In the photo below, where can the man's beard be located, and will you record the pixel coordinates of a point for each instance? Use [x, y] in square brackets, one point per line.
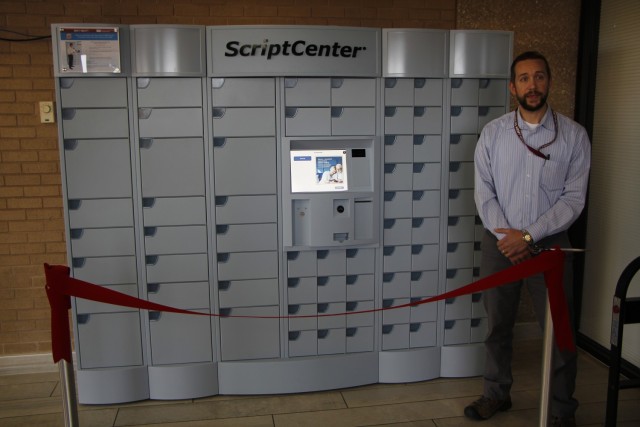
[522, 100]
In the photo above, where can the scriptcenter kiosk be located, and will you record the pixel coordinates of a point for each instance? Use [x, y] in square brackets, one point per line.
[295, 182]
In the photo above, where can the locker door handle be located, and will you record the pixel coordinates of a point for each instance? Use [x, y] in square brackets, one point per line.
[483, 111]
[323, 254]
[148, 202]
[151, 259]
[352, 279]
[453, 221]
[74, 204]
[484, 83]
[290, 112]
[456, 111]
[451, 273]
[218, 113]
[416, 249]
[293, 282]
[389, 196]
[322, 281]
[153, 288]
[225, 312]
[419, 83]
[388, 277]
[154, 316]
[144, 113]
[143, 82]
[223, 257]
[414, 327]
[290, 82]
[352, 305]
[222, 229]
[388, 250]
[386, 329]
[221, 200]
[418, 139]
[224, 285]
[293, 309]
[292, 256]
[418, 167]
[390, 83]
[449, 324]
[454, 166]
[217, 83]
[387, 303]
[76, 233]
[390, 111]
[417, 222]
[351, 332]
[78, 262]
[455, 139]
[389, 140]
[351, 253]
[419, 111]
[475, 322]
[336, 83]
[416, 275]
[150, 231]
[389, 223]
[322, 308]
[70, 144]
[476, 297]
[389, 168]
[219, 142]
[294, 335]
[83, 319]
[146, 143]
[336, 112]
[68, 113]
[323, 333]
[67, 82]
[456, 83]
[417, 195]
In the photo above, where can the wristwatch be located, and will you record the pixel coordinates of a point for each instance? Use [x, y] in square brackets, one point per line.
[527, 237]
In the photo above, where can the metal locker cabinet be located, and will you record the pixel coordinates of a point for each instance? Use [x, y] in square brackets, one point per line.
[169, 92]
[175, 240]
[360, 261]
[425, 203]
[360, 287]
[349, 92]
[105, 92]
[246, 209]
[425, 231]
[426, 176]
[160, 211]
[427, 148]
[95, 123]
[480, 53]
[398, 149]
[95, 213]
[307, 92]
[169, 342]
[398, 92]
[172, 167]
[243, 92]
[245, 166]
[396, 285]
[397, 232]
[245, 338]
[428, 92]
[248, 293]
[97, 168]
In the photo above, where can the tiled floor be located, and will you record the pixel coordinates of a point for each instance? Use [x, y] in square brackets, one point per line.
[30, 396]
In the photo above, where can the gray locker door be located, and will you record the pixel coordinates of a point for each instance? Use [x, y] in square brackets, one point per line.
[332, 341]
[187, 295]
[174, 211]
[233, 266]
[109, 340]
[359, 339]
[395, 337]
[307, 92]
[247, 237]
[426, 148]
[426, 204]
[170, 122]
[428, 92]
[169, 342]
[246, 209]
[398, 149]
[94, 213]
[244, 122]
[175, 240]
[248, 293]
[423, 334]
[95, 123]
[398, 92]
[250, 338]
[243, 92]
[98, 168]
[177, 268]
[106, 270]
[105, 92]
[172, 167]
[169, 92]
[303, 343]
[245, 166]
[96, 242]
[353, 92]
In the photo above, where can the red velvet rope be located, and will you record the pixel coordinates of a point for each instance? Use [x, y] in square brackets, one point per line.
[61, 287]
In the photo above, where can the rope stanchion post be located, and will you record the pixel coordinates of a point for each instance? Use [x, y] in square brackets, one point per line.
[547, 363]
[68, 391]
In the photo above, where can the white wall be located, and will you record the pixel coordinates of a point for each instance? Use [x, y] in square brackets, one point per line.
[613, 228]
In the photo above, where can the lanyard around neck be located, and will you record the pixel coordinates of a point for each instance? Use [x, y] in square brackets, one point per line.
[538, 151]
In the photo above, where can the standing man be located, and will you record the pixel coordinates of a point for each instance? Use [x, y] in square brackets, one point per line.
[531, 175]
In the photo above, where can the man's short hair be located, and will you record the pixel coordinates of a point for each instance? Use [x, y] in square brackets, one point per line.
[530, 54]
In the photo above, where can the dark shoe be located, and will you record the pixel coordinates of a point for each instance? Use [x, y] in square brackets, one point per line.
[484, 408]
[563, 422]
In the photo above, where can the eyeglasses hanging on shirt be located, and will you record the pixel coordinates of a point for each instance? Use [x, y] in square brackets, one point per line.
[538, 151]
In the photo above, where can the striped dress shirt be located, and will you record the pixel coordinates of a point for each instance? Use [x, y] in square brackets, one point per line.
[514, 188]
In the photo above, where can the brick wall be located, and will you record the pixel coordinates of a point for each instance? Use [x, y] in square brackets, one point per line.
[31, 218]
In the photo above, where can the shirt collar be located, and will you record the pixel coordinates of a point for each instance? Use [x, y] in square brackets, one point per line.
[546, 122]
